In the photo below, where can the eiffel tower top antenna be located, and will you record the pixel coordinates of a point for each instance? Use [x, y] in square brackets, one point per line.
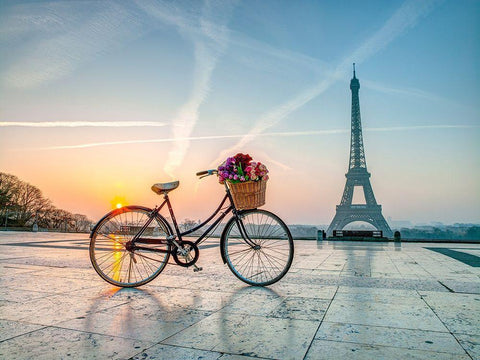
[357, 151]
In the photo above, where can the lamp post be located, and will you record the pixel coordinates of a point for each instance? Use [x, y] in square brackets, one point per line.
[35, 225]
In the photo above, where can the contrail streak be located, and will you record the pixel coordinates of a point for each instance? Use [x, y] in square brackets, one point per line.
[50, 124]
[265, 134]
[209, 45]
[405, 17]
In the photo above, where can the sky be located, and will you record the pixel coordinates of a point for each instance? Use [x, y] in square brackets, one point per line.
[101, 99]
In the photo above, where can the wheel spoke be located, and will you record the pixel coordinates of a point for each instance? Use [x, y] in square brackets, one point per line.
[108, 247]
[265, 263]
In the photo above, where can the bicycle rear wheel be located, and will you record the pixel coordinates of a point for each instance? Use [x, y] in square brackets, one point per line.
[113, 256]
[265, 256]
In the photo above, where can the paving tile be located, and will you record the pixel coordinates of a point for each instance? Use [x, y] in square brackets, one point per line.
[461, 286]
[385, 275]
[388, 336]
[226, 281]
[205, 300]
[20, 296]
[316, 291]
[301, 308]
[409, 315]
[54, 309]
[332, 350]
[162, 352]
[249, 335]
[459, 312]
[378, 295]
[54, 343]
[6, 268]
[43, 283]
[148, 323]
[326, 272]
[471, 344]
[69, 273]
[255, 304]
[11, 329]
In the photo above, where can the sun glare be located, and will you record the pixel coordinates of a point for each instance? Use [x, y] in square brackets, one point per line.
[118, 201]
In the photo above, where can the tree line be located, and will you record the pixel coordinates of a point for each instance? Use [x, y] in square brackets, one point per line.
[23, 205]
[447, 232]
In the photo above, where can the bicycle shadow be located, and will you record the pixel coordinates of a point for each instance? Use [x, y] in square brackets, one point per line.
[254, 324]
[249, 322]
[131, 313]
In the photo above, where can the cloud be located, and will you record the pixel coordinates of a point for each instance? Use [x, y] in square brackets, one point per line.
[401, 91]
[50, 124]
[263, 134]
[404, 18]
[48, 41]
[418, 93]
[420, 127]
[209, 35]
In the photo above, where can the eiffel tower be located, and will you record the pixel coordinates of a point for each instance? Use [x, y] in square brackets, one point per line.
[358, 175]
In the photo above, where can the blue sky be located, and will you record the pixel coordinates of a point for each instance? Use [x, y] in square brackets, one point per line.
[99, 99]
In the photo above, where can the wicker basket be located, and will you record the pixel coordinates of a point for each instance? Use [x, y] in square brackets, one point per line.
[248, 195]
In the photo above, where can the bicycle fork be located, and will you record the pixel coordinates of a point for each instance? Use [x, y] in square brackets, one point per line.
[244, 233]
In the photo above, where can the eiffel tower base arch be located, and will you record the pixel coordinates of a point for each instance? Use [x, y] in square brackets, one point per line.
[369, 214]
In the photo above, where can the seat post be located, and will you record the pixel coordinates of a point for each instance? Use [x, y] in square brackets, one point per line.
[172, 215]
[165, 195]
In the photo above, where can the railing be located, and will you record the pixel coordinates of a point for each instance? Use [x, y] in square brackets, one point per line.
[358, 233]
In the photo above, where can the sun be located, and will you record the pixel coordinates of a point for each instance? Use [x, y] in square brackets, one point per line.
[118, 202]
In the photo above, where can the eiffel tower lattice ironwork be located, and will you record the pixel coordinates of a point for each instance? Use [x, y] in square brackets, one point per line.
[358, 175]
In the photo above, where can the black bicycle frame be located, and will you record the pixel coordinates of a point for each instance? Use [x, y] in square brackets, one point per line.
[166, 201]
[210, 228]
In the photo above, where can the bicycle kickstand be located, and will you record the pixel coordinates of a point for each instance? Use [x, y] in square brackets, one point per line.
[196, 268]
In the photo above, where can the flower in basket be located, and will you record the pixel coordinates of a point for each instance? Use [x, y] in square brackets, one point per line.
[241, 168]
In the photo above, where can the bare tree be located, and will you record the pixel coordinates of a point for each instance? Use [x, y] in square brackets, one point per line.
[188, 224]
[81, 223]
[9, 185]
[22, 204]
[29, 200]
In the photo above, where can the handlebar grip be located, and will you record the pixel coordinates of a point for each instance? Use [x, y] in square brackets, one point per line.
[206, 173]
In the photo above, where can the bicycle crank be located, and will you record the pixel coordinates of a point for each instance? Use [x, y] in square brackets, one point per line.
[187, 255]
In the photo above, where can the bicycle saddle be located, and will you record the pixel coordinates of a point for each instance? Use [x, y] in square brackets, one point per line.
[160, 188]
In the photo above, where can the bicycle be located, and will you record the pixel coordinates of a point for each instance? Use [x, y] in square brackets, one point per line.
[131, 246]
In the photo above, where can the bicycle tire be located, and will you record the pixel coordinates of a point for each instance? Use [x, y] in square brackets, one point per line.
[108, 247]
[271, 256]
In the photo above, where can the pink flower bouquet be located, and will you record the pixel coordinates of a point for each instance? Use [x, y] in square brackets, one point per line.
[246, 180]
[241, 168]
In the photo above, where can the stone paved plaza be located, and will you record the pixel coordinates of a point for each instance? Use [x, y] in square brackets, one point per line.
[340, 300]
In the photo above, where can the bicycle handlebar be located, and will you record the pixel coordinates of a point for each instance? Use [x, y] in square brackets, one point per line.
[204, 173]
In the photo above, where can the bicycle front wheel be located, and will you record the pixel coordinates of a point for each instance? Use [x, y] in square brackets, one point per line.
[117, 260]
[258, 248]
